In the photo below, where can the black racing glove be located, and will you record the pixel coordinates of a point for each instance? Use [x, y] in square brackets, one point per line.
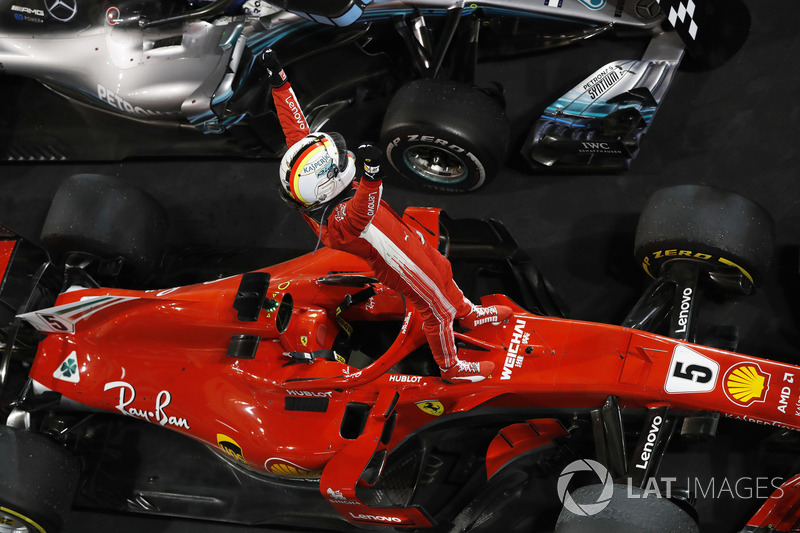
[368, 161]
[275, 73]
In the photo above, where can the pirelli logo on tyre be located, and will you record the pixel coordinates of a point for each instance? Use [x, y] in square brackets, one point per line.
[660, 256]
[746, 384]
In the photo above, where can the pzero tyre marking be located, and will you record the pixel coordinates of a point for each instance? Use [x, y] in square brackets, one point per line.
[721, 230]
[688, 254]
[445, 135]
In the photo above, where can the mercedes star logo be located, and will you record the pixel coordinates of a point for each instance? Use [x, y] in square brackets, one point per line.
[62, 10]
[648, 9]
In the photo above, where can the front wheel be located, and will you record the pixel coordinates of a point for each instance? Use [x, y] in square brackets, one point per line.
[718, 229]
[445, 135]
[620, 507]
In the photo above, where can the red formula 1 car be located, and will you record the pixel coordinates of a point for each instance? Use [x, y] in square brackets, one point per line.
[309, 397]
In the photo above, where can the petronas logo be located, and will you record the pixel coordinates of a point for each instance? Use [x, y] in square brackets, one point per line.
[68, 370]
[746, 383]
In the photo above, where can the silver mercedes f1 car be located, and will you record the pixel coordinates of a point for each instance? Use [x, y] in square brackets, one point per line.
[182, 78]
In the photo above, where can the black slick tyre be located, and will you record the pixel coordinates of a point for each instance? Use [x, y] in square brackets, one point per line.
[106, 217]
[445, 135]
[722, 230]
[38, 479]
[593, 510]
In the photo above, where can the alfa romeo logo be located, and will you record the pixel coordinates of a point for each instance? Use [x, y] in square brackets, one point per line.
[585, 509]
[62, 10]
[69, 367]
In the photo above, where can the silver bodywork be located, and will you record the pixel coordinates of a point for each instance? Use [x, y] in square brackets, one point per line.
[178, 72]
[594, 11]
[122, 69]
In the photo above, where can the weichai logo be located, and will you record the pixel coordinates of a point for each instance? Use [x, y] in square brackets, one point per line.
[746, 383]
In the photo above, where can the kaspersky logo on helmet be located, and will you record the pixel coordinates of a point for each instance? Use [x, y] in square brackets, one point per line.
[322, 162]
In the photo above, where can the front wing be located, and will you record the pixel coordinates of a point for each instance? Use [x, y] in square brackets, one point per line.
[600, 123]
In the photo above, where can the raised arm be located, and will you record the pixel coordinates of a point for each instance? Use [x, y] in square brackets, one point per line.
[362, 208]
[293, 121]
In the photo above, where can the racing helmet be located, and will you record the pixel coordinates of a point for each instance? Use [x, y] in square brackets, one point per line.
[315, 170]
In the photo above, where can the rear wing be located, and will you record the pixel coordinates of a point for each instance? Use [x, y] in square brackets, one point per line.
[26, 276]
[7, 248]
[27, 280]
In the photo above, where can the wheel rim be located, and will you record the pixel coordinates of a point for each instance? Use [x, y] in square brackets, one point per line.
[14, 524]
[435, 164]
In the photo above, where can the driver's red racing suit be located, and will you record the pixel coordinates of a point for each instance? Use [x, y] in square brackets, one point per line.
[293, 121]
[366, 226]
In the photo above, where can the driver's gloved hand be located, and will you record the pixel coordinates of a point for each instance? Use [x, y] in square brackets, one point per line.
[368, 162]
[275, 73]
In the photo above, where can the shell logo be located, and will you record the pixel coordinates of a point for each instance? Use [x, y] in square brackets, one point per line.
[284, 468]
[746, 383]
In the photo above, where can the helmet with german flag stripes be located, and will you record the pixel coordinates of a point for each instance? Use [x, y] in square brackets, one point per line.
[315, 170]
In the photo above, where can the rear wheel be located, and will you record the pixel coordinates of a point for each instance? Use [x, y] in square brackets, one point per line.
[445, 135]
[38, 479]
[721, 230]
[108, 218]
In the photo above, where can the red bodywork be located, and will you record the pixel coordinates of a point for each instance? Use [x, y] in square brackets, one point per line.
[781, 511]
[161, 356]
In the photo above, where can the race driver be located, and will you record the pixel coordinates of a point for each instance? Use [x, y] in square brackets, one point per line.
[317, 176]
